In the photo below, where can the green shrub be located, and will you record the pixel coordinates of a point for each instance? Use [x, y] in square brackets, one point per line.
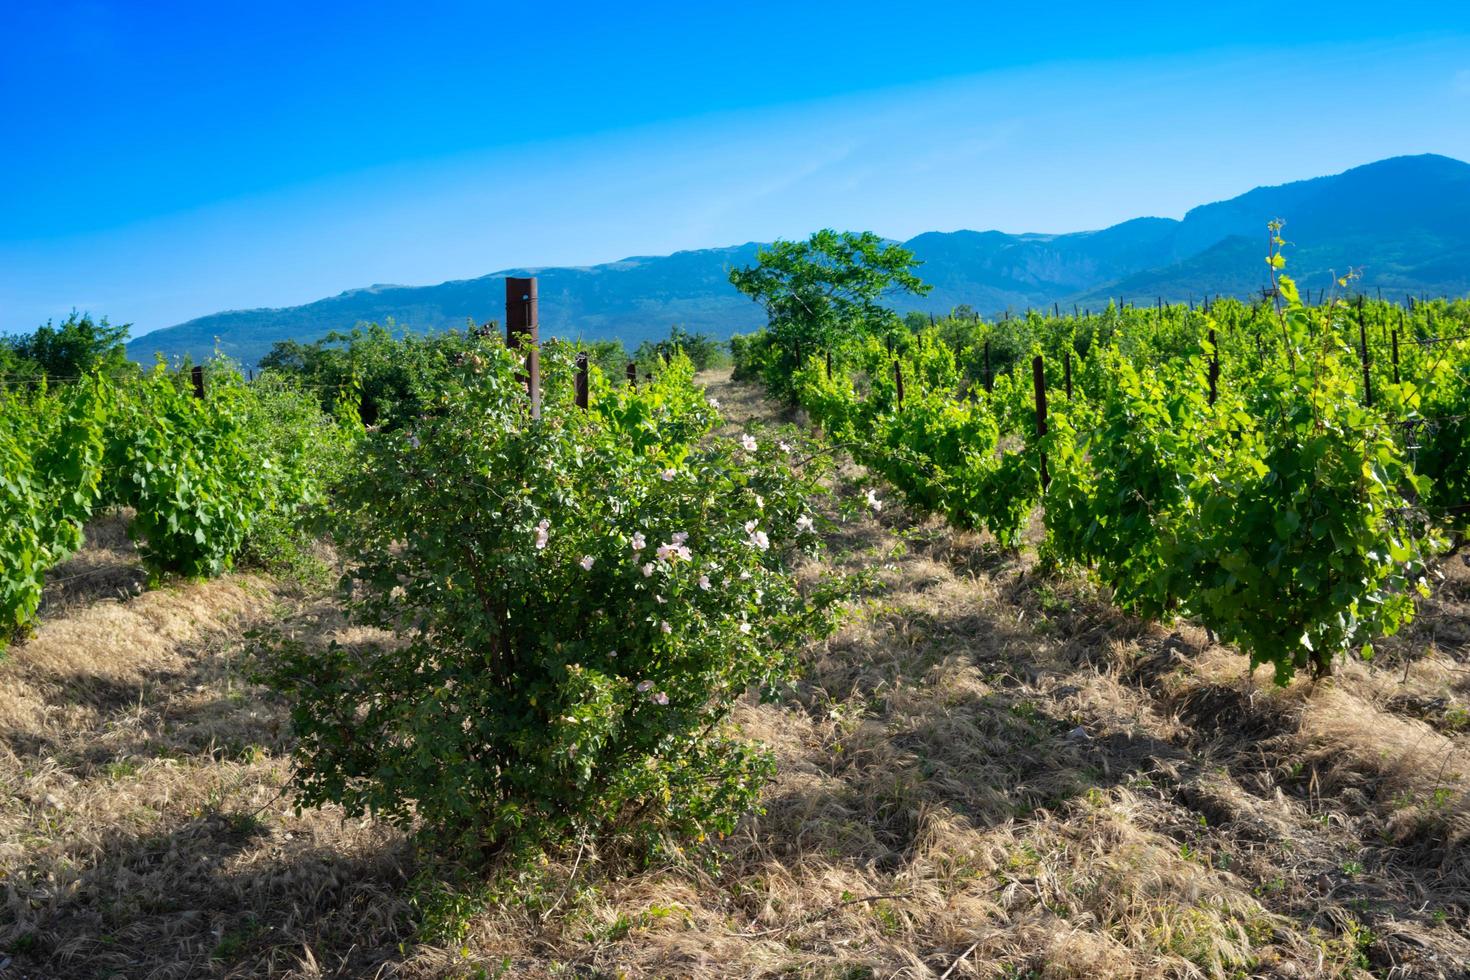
[50, 469]
[581, 602]
[183, 464]
[308, 452]
[205, 474]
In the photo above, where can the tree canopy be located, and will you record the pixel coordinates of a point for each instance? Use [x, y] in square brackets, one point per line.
[80, 345]
[829, 288]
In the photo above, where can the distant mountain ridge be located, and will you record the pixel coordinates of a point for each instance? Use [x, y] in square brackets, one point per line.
[1404, 222]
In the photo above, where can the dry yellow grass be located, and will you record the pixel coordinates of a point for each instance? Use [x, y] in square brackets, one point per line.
[987, 773]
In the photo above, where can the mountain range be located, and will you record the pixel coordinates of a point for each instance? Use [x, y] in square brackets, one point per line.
[1403, 222]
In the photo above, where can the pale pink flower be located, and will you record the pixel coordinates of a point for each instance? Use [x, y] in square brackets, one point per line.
[760, 540]
[704, 582]
[669, 475]
[744, 575]
[664, 625]
[586, 563]
[648, 570]
[645, 686]
[714, 403]
[660, 698]
[639, 541]
[804, 523]
[785, 446]
[679, 537]
[748, 442]
[744, 627]
[760, 502]
[750, 526]
[874, 502]
[542, 533]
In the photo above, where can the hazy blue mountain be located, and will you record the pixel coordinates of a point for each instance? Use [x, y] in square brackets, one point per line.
[1405, 222]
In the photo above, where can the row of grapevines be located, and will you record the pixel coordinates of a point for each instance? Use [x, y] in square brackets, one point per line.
[1280, 514]
[942, 453]
[50, 468]
[200, 474]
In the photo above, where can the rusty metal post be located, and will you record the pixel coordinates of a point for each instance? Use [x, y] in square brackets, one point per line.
[1067, 373]
[989, 381]
[1038, 380]
[632, 373]
[521, 321]
[580, 382]
[198, 377]
[829, 365]
[522, 328]
[898, 381]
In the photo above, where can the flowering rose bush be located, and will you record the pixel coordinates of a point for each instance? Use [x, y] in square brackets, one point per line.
[580, 606]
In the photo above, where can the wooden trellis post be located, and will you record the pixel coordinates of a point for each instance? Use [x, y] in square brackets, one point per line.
[1038, 379]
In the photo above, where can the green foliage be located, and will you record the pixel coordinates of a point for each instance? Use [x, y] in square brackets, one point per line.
[203, 474]
[184, 465]
[581, 600]
[1442, 439]
[1121, 481]
[608, 356]
[825, 291]
[50, 470]
[703, 350]
[78, 347]
[941, 452]
[388, 369]
[1303, 552]
[1284, 503]
[302, 452]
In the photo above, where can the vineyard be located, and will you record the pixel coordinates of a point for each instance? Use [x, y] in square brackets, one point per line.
[918, 648]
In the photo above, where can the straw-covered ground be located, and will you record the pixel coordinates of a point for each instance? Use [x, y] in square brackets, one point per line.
[988, 772]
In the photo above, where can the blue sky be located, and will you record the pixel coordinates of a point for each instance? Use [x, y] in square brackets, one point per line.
[160, 160]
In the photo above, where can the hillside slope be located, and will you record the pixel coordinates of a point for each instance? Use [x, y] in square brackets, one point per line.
[1405, 222]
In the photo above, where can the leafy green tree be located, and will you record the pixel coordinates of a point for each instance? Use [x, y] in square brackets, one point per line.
[825, 291]
[78, 347]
